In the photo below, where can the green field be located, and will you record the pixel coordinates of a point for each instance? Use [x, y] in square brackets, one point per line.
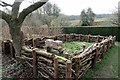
[98, 22]
[100, 19]
[108, 67]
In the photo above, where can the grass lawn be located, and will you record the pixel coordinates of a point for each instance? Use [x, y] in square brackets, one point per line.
[108, 67]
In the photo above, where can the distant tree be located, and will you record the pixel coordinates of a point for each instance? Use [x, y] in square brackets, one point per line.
[114, 19]
[54, 23]
[46, 15]
[91, 16]
[87, 18]
[63, 20]
[84, 18]
[33, 20]
[49, 12]
[47, 8]
[55, 10]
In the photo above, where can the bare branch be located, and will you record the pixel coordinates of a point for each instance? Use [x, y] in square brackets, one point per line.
[1, 5]
[30, 9]
[4, 4]
[15, 8]
[5, 16]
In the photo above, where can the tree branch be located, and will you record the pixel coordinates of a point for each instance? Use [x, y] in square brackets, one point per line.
[5, 16]
[30, 9]
[1, 5]
[4, 4]
[15, 8]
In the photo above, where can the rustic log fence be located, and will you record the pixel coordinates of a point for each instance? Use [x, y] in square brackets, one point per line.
[52, 66]
[40, 42]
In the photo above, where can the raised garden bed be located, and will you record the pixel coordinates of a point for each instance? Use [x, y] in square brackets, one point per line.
[51, 65]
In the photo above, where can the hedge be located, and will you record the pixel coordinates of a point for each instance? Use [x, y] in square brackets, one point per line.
[104, 31]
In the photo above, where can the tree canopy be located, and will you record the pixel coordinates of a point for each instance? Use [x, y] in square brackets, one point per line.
[87, 17]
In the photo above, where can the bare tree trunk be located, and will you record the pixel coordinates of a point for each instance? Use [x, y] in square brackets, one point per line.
[17, 36]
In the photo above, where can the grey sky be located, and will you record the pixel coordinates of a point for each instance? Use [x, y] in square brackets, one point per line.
[98, 6]
[74, 7]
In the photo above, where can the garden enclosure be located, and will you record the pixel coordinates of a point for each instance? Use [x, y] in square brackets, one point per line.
[51, 66]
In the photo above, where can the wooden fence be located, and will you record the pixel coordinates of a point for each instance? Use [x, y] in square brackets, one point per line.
[52, 66]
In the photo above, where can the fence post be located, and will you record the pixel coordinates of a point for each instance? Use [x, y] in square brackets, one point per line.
[35, 72]
[68, 70]
[113, 38]
[103, 50]
[96, 57]
[77, 60]
[55, 68]
[108, 43]
[105, 47]
[98, 38]
[66, 55]
[11, 50]
[83, 46]
[33, 43]
[88, 36]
